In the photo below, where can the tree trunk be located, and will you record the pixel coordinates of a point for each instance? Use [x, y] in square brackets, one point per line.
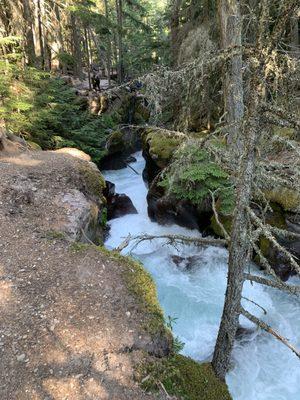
[40, 29]
[76, 47]
[231, 35]
[108, 52]
[295, 37]
[174, 27]
[238, 256]
[87, 52]
[119, 8]
[28, 27]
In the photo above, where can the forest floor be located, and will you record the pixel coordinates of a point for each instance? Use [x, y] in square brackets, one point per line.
[67, 318]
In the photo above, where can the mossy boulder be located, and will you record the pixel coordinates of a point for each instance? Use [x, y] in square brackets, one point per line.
[287, 198]
[161, 144]
[115, 142]
[226, 221]
[33, 145]
[184, 378]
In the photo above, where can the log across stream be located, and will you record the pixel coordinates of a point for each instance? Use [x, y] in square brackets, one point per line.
[191, 283]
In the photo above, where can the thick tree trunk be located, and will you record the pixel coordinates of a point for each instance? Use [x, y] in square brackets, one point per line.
[231, 35]
[40, 29]
[295, 37]
[108, 51]
[28, 27]
[76, 47]
[174, 28]
[119, 8]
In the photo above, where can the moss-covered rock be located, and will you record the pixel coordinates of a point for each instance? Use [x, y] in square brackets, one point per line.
[226, 221]
[184, 378]
[161, 145]
[93, 181]
[287, 198]
[115, 142]
[33, 145]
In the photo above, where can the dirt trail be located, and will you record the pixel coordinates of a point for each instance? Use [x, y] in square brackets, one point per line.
[67, 318]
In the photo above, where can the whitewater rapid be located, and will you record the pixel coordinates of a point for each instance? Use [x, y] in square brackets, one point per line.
[264, 369]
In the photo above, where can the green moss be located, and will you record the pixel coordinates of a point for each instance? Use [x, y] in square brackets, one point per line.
[141, 285]
[226, 221]
[289, 199]
[93, 180]
[115, 142]
[184, 378]
[162, 145]
[79, 247]
[276, 219]
[285, 132]
[33, 145]
[53, 235]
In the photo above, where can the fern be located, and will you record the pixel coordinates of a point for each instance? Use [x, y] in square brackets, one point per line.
[193, 175]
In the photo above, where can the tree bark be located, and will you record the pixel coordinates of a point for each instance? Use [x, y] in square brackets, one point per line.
[108, 52]
[174, 28]
[238, 256]
[28, 27]
[119, 8]
[231, 35]
[76, 47]
[40, 29]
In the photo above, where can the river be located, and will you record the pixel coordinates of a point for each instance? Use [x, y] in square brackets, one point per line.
[264, 369]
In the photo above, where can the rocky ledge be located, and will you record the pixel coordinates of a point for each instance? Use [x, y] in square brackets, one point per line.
[77, 321]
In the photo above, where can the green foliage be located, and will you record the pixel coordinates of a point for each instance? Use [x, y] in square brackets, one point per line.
[47, 111]
[194, 175]
[178, 345]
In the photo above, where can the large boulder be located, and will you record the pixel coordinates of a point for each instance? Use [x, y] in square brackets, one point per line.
[57, 192]
[161, 144]
[118, 205]
[120, 145]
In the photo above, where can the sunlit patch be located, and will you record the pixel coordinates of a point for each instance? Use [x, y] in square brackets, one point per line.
[5, 293]
[22, 160]
[56, 356]
[94, 390]
[64, 388]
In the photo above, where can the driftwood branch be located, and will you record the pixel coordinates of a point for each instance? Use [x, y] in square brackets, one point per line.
[268, 329]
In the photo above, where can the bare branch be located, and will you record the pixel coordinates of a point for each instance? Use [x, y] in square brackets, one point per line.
[268, 234]
[226, 235]
[276, 284]
[268, 329]
[256, 304]
[172, 240]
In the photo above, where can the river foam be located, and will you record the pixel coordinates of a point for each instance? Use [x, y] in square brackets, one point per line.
[264, 369]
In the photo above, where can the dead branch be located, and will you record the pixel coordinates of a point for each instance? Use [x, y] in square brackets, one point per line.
[256, 304]
[268, 329]
[282, 114]
[226, 235]
[123, 244]
[268, 234]
[172, 240]
[278, 284]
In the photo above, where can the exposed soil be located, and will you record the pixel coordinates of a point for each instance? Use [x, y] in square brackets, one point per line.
[68, 323]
